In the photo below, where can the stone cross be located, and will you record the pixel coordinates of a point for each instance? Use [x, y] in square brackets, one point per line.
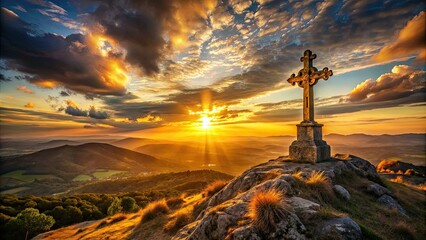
[307, 77]
[309, 146]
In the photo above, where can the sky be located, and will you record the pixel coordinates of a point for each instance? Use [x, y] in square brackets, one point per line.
[175, 69]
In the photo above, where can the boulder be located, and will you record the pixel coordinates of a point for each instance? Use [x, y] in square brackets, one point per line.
[303, 207]
[342, 228]
[377, 189]
[391, 203]
[342, 192]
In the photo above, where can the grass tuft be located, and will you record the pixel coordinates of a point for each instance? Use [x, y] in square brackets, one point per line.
[214, 187]
[179, 219]
[317, 178]
[298, 176]
[266, 210]
[154, 209]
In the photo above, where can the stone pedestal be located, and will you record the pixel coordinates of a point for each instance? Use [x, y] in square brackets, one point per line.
[309, 146]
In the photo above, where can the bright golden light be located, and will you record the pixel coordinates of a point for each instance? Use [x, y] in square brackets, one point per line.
[206, 122]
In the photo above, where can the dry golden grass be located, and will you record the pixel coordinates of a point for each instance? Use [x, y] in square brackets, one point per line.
[271, 175]
[154, 209]
[214, 187]
[175, 202]
[266, 210]
[179, 219]
[118, 217]
[384, 165]
[400, 179]
[317, 178]
[298, 175]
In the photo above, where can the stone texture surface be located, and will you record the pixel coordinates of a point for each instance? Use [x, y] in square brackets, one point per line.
[224, 214]
[377, 189]
[342, 228]
[309, 146]
[391, 203]
[342, 192]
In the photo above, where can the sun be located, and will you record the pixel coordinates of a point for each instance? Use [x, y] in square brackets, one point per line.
[206, 122]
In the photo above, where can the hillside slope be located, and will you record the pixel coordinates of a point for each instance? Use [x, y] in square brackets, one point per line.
[68, 162]
[181, 181]
[340, 199]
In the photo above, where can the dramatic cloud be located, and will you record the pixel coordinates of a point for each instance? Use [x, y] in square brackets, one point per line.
[411, 40]
[402, 82]
[73, 62]
[24, 89]
[140, 26]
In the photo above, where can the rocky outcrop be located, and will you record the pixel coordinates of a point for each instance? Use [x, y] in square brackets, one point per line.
[225, 214]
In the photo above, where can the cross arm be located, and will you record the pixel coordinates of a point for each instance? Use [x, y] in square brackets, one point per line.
[297, 79]
[325, 73]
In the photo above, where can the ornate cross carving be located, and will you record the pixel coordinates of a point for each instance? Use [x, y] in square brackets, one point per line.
[307, 77]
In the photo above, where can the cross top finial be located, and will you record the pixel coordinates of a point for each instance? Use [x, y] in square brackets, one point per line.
[307, 59]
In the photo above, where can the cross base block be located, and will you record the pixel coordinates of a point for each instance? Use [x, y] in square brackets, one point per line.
[309, 146]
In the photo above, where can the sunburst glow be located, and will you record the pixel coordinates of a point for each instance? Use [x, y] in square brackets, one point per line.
[206, 122]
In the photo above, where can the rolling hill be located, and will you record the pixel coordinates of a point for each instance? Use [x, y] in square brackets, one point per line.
[68, 162]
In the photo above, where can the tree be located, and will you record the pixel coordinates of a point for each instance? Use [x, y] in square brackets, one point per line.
[115, 207]
[129, 204]
[30, 222]
[72, 215]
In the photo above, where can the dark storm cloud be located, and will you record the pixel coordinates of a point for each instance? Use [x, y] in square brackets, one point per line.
[93, 113]
[3, 78]
[124, 107]
[75, 111]
[140, 26]
[138, 31]
[53, 60]
[22, 114]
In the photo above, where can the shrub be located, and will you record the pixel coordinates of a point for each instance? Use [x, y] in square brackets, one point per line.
[175, 202]
[30, 222]
[30, 204]
[214, 187]
[115, 207]
[154, 209]
[129, 204]
[266, 210]
[179, 219]
[317, 178]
